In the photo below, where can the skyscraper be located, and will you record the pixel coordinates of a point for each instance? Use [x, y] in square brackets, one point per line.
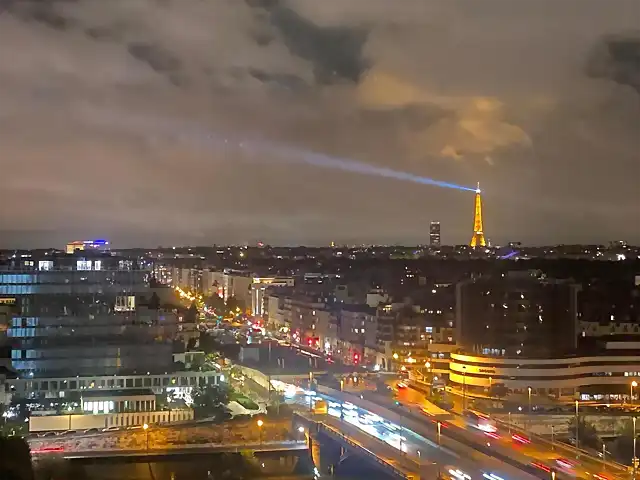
[434, 234]
[477, 240]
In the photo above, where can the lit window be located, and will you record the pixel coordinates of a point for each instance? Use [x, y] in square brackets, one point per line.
[83, 265]
[125, 303]
[45, 265]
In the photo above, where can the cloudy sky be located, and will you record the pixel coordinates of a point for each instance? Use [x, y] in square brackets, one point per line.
[158, 122]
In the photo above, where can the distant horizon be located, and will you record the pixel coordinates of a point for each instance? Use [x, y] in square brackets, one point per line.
[317, 246]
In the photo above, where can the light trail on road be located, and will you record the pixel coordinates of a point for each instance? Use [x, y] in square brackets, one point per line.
[466, 465]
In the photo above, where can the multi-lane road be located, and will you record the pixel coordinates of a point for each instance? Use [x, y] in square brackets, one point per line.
[447, 456]
[498, 453]
[547, 456]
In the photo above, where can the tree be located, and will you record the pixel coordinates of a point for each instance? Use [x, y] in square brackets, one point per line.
[216, 303]
[191, 344]
[211, 400]
[623, 446]
[234, 303]
[498, 390]
[154, 301]
[588, 436]
[192, 314]
[15, 459]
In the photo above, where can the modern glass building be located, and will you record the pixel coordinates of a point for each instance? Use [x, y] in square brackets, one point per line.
[84, 314]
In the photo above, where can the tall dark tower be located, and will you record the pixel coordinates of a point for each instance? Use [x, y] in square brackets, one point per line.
[478, 234]
[434, 234]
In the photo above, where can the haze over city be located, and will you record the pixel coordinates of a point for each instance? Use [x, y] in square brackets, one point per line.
[190, 122]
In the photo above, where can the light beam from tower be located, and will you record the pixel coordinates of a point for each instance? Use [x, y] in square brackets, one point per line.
[477, 240]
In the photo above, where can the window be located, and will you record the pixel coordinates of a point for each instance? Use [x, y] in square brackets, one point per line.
[125, 264]
[45, 265]
[83, 264]
[125, 303]
[97, 265]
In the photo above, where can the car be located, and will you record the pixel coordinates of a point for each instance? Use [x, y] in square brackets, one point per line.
[48, 434]
[111, 429]
[91, 430]
[69, 432]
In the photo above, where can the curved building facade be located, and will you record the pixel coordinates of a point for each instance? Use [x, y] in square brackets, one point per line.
[555, 376]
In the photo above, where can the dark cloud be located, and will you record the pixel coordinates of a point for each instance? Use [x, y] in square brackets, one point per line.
[166, 121]
[336, 53]
[617, 58]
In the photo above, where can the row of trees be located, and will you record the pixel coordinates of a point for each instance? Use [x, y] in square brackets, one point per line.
[232, 304]
[621, 449]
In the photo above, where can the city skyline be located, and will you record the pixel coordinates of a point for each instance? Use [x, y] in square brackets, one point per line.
[181, 123]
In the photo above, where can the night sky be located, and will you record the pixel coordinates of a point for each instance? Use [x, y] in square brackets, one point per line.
[160, 122]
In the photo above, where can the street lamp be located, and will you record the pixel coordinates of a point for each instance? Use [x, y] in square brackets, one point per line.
[553, 438]
[260, 423]
[635, 459]
[529, 416]
[439, 448]
[145, 427]
[634, 384]
[577, 425]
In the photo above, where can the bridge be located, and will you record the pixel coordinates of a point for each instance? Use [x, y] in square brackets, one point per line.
[167, 453]
[352, 439]
[151, 454]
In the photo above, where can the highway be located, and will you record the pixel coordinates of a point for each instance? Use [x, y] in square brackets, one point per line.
[517, 445]
[451, 458]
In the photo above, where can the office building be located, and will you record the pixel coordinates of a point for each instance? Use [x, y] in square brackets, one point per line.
[84, 315]
[517, 313]
[606, 374]
[434, 234]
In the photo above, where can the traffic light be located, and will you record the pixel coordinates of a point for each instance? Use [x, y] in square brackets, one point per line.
[356, 357]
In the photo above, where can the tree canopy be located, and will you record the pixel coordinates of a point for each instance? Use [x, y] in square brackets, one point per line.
[588, 436]
[211, 400]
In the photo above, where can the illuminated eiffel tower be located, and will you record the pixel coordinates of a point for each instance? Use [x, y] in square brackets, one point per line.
[478, 234]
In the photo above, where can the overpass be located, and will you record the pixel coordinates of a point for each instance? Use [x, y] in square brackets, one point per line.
[537, 458]
[390, 459]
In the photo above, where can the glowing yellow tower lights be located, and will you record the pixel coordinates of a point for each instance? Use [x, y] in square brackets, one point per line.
[477, 240]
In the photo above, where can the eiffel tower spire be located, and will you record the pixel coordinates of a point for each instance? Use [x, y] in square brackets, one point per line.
[477, 240]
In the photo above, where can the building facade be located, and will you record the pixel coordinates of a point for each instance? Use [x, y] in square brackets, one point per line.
[434, 234]
[80, 315]
[259, 288]
[517, 313]
[610, 372]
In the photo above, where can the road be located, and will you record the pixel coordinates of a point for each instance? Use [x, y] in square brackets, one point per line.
[517, 445]
[448, 456]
